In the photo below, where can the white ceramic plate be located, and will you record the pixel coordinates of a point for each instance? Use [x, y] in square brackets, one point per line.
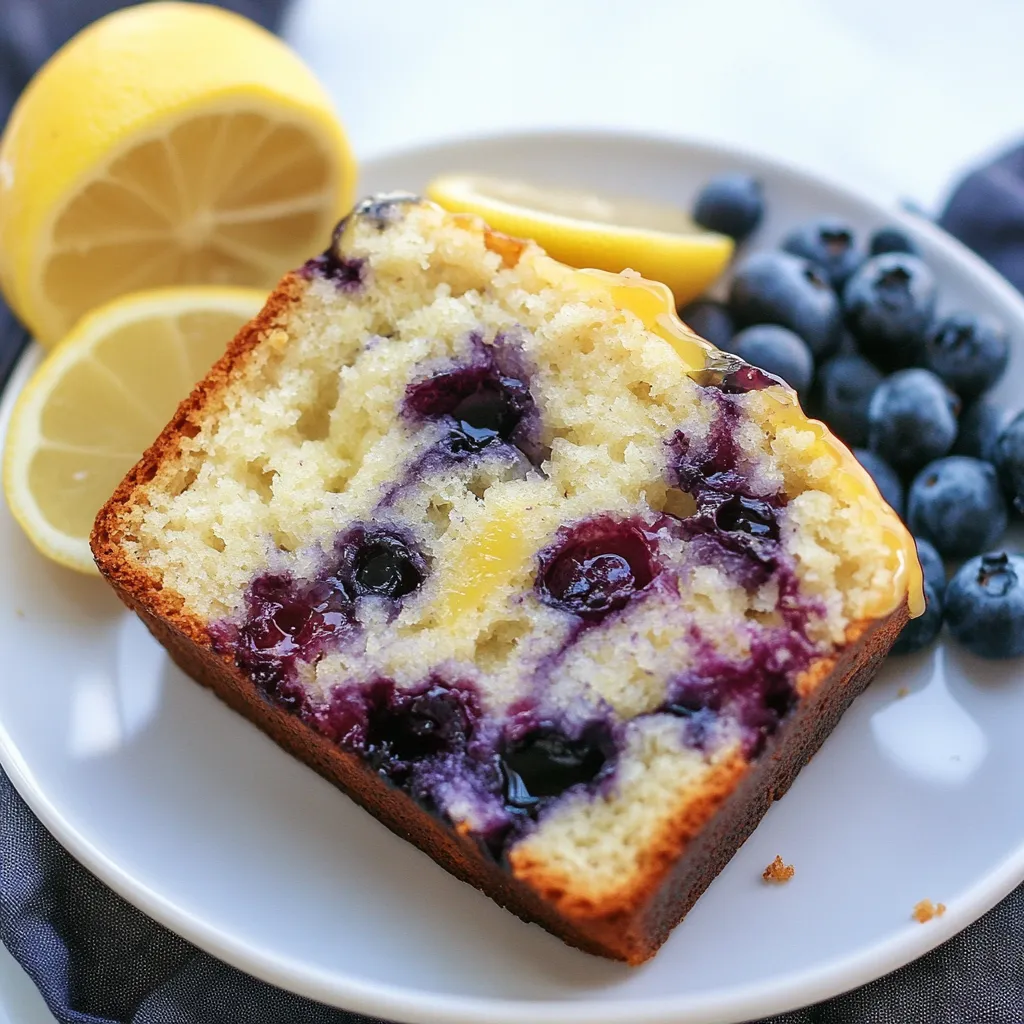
[201, 821]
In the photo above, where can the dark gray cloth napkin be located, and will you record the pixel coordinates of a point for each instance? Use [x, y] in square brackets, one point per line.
[98, 960]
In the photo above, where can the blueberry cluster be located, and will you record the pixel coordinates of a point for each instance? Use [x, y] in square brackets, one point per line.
[854, 330]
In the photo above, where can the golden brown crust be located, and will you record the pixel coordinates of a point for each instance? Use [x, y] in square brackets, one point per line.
[697, 841]
[108, 528]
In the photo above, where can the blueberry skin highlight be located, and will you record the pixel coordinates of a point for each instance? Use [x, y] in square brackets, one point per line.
[931, 564]
[912, 419]
[731, 204]
[780, 352]
[843, 392]
[889, 303]
[778, 288]
[985, 605]
[957, 504]
[891, 240]
[969, 352]
[711, 320]
[980, 425]
[830, 244]
[1009, 460]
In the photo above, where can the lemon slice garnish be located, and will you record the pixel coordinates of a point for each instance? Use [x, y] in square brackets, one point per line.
[585, 229]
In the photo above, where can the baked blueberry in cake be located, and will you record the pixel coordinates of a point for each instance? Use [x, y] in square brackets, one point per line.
[556, 590]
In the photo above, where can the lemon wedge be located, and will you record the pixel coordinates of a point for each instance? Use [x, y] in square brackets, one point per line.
[584, 229]
[168, 143]
[100, 398]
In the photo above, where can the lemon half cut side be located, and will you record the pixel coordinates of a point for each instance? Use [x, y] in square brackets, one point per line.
[168, 143]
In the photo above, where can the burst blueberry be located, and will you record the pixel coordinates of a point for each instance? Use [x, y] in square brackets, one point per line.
[546, 762]
[596, 567]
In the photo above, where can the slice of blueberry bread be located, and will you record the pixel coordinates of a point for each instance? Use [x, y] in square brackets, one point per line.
[552, 587]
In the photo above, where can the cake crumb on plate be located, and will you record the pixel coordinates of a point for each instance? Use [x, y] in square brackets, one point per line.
[778, 872]
[925, 910]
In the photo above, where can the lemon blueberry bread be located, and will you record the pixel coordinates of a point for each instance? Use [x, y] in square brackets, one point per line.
[556, 590]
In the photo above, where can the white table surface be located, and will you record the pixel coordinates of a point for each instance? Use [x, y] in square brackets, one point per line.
[891, 97]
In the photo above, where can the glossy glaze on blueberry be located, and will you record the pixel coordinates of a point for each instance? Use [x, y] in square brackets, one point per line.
[732, 376]
[287, 621]
[485, 401]
[596, 567]
[546, 762]
[430, 738]
[377, 561]
[740, 514]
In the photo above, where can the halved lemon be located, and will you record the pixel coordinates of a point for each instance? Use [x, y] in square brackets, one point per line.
[168, 143]
[100, 399]
[585, 229]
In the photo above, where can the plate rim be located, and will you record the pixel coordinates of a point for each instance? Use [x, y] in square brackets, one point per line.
[417, 1007]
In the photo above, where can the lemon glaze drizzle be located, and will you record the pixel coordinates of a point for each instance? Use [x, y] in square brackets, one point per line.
[653, 304]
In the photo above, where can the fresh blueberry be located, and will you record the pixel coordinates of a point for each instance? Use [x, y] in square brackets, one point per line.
[731, 204]
[981, 423]
[886, 478]
[889, 304]
[932, 566]
[711, 321]
[985, 605]
[970, 353]
[830, 244]
[779, 288]
[546, 762]
[844, 388]
[956, 503]
[890, 240]
[1009, 460]
[920, 632]
[912, 419]
[779, 351]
